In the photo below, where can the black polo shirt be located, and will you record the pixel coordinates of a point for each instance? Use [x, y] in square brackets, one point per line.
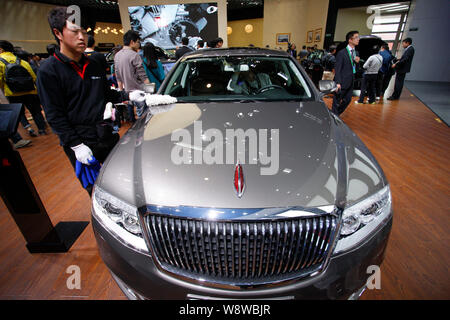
[74, 96]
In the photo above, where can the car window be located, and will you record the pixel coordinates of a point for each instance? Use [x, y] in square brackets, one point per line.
[237, 78]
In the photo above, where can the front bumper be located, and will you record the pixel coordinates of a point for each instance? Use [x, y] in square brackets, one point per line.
[139, 278]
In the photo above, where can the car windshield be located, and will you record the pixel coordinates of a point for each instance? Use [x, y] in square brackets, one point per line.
[237, 79]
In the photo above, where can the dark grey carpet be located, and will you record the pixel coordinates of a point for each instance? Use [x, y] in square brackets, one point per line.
[435, 95]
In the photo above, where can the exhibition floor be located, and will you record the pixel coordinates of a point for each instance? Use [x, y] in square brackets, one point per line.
[406, 138]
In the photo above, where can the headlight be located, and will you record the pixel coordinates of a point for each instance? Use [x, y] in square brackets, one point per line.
[361, 219]
[119, 218]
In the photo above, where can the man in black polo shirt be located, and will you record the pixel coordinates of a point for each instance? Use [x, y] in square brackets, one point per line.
[74, 91]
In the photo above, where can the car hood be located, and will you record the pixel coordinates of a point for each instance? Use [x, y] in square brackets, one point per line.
[318, 161]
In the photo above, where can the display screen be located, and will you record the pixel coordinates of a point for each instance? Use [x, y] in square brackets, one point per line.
[167, 67]
[165, 25]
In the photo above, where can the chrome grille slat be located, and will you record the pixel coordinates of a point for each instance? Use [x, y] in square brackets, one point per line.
[211, 249]
[291, 245]
[255, 246]
[261, 254]
[241, 251]
[226, 247]
[219, 266]
[205, 257]
[191, 254]
[247, 249]
[199, 260]
[270, 248]
[158, 241]
[311, 241]
[167, 236]
[175, 240]
[183, 247]
[286, 232]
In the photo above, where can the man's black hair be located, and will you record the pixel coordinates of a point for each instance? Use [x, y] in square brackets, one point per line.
[219, 40]
[385, 47]
[350, 35]
[6, 46]
[91, 41]
[375, 49]
[129, 36]
[408, 40]
[304, 47]
[184, 41]
[200, 43]
[333, 47]
[22, 54]
[57, 18]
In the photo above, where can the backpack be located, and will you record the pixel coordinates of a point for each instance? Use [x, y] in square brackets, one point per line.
[17, 77]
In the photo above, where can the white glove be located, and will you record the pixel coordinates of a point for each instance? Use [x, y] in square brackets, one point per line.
[83, 153]
[137, 96]
[108, 111]
[158, 99]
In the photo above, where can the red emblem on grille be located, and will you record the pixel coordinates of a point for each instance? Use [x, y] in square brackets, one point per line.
[239, 183]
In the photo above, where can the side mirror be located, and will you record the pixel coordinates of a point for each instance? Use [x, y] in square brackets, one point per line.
[327, 86]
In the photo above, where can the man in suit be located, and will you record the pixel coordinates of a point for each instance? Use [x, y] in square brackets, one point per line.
[184, 48]
[345, 68]
[402, 67]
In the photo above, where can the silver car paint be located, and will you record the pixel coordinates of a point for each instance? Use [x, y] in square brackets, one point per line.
[322, 162]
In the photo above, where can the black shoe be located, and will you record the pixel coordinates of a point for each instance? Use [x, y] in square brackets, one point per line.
[392, 98]
[42, 132]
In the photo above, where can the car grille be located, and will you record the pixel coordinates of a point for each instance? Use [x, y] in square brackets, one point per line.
[241, 252]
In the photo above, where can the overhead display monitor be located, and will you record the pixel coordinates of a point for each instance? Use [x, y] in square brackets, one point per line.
[166, 25]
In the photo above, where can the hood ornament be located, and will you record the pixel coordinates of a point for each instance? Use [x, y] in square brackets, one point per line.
[239, 182]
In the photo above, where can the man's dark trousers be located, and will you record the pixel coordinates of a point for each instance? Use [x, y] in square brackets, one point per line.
[368, 84]
[341, 100]
[399, 80]
[31, 101]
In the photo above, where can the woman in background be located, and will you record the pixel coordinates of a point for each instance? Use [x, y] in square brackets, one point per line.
[153, 67]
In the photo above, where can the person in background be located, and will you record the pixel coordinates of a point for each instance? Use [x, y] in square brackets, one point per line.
[51, 48]
[385, 73]
[372, 66]
[15, 137]
[153, 67]
[94, 55]
[292, 50]
[183, 49]
[402, 67]
[129, 68]
[329, 63]
[303, 53]
[29, 97]
[26, 56]
[200, 44]
[36, 60]
[218, 42]
[345, 69]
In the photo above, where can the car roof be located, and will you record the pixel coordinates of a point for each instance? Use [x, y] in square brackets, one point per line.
[235, 51]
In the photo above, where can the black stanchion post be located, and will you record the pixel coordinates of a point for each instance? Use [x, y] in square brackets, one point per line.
[22, 200]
